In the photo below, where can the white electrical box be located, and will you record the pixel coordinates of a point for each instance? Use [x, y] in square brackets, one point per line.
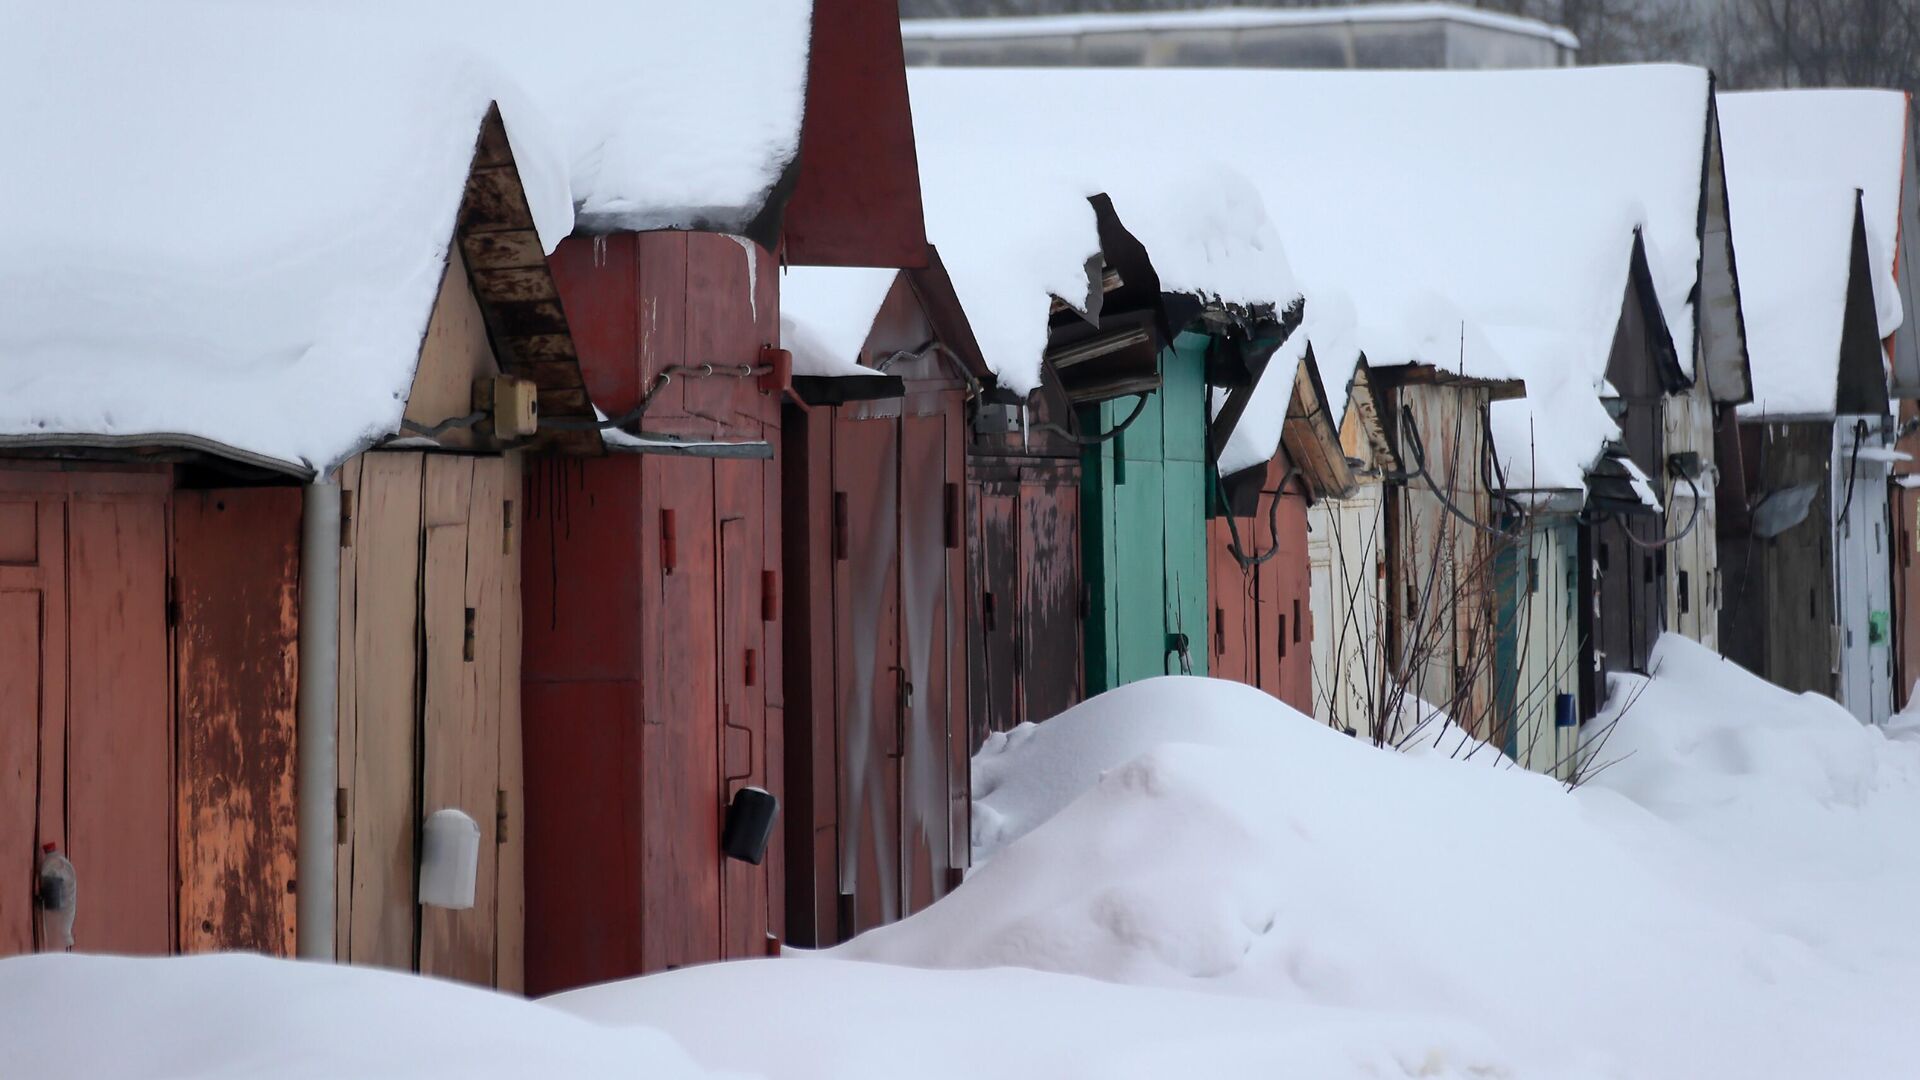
[449, 860]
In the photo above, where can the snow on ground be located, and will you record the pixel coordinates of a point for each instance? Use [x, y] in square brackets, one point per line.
[229, 1017]
[1252, 893]
[1185, 877]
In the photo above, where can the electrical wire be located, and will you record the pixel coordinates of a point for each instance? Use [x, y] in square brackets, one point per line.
[1419, 452]
[1139, 406]
[1692, 519]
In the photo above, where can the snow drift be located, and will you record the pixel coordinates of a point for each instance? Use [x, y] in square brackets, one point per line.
[228, 1017]
[1249, 889]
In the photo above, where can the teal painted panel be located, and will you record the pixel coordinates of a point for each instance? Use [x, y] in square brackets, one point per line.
[1144, 527]
[1140, 573]
[1183, 398]
[1184, 517]
[1097, 555]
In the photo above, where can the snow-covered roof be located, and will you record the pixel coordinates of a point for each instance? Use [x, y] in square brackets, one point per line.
[1236, 18]
[1479, 221]
[677, 114]
[1008, 160]
[1795, 160]
[228, 227]
[826, 313]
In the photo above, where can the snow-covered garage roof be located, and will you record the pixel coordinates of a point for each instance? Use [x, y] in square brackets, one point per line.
[1797, 162]
[1479, 221]
[1008, 161]
[676, 114]
[826, 313]
[227, 227]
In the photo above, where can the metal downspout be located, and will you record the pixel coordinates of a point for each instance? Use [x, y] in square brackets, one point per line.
[317, 722]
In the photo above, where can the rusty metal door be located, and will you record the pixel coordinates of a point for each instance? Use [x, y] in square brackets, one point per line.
[928, 694]
[1052, 650]
[871, 680]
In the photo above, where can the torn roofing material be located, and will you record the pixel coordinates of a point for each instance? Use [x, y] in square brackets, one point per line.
[1009, 161]
[243, 250]
[1797, 163]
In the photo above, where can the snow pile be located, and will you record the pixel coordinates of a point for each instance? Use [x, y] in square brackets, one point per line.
[1007, 162]
[1253, 893]
[230, 225]
[826, 313]
[1795, 160]
[228, 1017]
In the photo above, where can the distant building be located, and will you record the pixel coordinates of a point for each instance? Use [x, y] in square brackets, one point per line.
[1413, 35]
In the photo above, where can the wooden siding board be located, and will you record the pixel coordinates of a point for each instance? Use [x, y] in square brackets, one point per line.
[383, 791]
[347, 703]
[679, 749]
[738, 504]
[511, 900]
[1053, 655]
[237, 568]
[119, 790]
[21, 664]
[460, 717]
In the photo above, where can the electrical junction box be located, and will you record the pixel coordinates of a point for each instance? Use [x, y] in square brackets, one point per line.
[512, 405]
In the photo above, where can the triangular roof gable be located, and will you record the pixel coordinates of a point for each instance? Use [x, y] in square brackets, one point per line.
[507, 266]
[1860, 380]
[1719, 347]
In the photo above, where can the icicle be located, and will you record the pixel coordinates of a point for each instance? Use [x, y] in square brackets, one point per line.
[600, 250]
[753, 273]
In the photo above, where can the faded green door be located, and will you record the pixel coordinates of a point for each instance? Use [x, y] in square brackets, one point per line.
[1145, 529]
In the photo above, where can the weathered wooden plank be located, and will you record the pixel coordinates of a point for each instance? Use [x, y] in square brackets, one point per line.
[21, 664]
[237, 570]
[1052, 655]
[502, 250]
[742, 699]
[510, 905]
[119, 768]
[385, 797]
[454, 353]
[346, 707]
[680, 740]
[459, 737]
[54, 682]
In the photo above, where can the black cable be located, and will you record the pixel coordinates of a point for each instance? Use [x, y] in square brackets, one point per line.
[1139, 407]
[1853, 466]
[1419, 452]
[1692, 519]
[444, 426]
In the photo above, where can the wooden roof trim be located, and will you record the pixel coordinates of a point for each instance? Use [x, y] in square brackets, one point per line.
[507, 267]
[1311, 438]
